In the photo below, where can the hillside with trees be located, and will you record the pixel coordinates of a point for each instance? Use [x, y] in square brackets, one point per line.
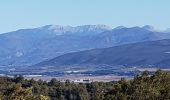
[145, 86]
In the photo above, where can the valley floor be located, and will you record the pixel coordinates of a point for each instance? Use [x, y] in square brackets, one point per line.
[76, 78]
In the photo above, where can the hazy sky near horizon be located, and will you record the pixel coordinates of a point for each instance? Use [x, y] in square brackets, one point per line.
[19, 14]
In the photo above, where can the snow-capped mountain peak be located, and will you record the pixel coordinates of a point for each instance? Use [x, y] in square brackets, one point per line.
[60, 30]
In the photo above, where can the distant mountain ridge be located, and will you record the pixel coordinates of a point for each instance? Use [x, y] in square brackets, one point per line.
[147, 54]
[26, 47]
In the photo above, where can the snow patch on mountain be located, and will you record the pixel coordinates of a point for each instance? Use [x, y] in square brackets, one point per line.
[19, 54]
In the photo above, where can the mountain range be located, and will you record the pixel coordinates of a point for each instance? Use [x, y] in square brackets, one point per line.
[27, 47]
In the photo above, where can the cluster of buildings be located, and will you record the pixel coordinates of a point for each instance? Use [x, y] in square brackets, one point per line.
[82, 81]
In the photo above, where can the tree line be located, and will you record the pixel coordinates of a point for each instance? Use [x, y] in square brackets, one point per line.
[145, 86]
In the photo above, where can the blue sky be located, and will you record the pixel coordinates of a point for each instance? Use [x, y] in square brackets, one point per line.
[17, 14]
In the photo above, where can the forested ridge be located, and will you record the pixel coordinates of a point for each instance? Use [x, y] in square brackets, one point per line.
[145, 86]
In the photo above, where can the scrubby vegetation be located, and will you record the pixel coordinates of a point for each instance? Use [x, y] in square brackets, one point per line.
[142, 87]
